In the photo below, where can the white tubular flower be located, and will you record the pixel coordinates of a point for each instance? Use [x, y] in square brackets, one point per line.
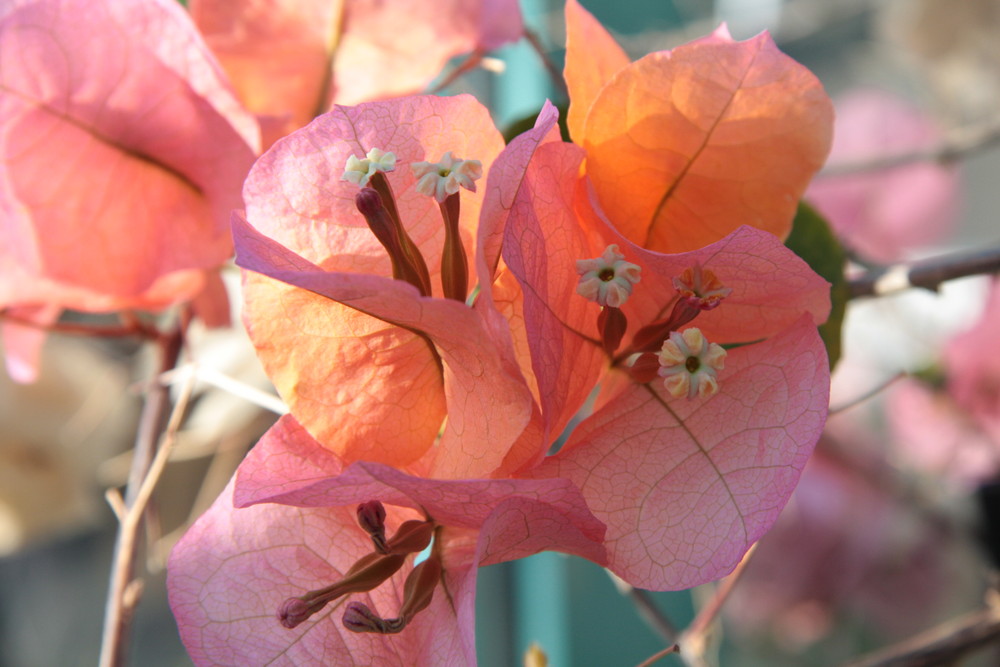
[607, 279]
[444, 178]
[689, 364]
[360, 171]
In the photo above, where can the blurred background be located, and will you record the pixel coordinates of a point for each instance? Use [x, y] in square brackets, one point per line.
[894, 527]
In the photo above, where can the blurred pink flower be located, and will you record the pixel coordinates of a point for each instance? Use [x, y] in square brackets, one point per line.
[123, 152]
[886, 214]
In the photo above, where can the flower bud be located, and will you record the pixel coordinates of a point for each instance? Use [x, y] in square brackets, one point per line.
[371, 518]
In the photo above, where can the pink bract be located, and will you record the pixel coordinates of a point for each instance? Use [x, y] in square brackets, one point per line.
[121, 161]
[666, 492]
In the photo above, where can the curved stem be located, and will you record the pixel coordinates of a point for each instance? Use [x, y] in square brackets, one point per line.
[123, 592]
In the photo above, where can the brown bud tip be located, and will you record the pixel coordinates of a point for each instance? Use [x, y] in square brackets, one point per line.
[292, 612]
[359, 618]
[371, 518]
[369, 202]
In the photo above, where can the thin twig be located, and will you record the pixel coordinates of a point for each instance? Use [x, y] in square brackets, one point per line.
[928, 274]
[250, 394]
[132, 328]
[659, 654]
[961, 143]
[557, 78]
[142, 477]
[694, 639]
[871, 393]
[468, 64]
[943, 645]
[649, 612]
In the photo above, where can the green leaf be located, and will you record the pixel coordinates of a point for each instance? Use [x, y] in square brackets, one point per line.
[524, 124]
[812, 240]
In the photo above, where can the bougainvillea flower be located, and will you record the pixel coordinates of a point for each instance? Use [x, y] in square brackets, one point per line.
[684, 146]
[973, 372]
[121, 163]
[666, 491]
[885, 214]
[292, 59]
[933, 434]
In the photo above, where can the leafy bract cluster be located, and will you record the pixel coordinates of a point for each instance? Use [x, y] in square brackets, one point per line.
[447, 412]
[124, 146]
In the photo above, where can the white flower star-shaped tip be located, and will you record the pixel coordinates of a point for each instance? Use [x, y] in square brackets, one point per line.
[689, 364]
[443, 179]
[360, 171]
[608, 279]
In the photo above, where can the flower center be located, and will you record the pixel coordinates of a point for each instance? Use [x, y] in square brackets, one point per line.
[443, 179]
[700, 288]
[692, 364]
[689, 364]
[607, 279]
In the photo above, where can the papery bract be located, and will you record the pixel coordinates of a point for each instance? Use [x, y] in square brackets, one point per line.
[353, 379]
[121, 161]
[667, 492]
[684, 488]
[684, 146]
[295, 58]
[292, 492]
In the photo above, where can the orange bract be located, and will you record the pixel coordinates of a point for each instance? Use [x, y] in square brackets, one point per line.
[592, 58]
[684, 146]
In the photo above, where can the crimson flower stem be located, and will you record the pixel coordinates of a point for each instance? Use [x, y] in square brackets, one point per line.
[149, 458]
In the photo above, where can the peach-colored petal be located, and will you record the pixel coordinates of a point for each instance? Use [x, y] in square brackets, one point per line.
[685, 487]
[234, 567]
[592, 58]
[772, 287]
[488, 407]
[542, 242]
[501, 306]
[397, 48]
[369, 389]
[685, 146]
[294, 58]
[277, 52]
[121, 163]
[286, 467]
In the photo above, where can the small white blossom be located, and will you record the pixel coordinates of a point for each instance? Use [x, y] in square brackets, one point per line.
[444, 178]
[360, 171]
[689, 364]
[608, 279]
